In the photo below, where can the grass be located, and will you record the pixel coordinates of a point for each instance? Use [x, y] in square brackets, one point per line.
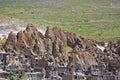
[2, 42]
[68, 49]
[96, 19]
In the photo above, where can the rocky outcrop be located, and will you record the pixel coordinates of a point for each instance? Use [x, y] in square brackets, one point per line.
[74, 40]
[57, 43]
[11, 42]
[52, 46]
[83, 58]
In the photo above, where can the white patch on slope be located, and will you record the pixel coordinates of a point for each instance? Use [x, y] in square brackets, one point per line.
[101, 47]
[42, 31]
[11, 25]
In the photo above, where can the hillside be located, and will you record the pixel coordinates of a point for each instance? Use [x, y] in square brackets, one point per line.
[96, 19]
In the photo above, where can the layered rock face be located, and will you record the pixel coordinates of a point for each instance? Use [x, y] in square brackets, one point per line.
[53, 45]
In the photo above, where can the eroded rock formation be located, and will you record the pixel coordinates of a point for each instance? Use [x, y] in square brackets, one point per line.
[52, 46]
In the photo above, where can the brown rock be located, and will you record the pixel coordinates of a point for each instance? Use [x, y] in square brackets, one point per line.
[11, 42]
[57, 40]
[82, 59]
[53, 45]
[39, 47]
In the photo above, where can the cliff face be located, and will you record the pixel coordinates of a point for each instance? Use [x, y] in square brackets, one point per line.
[53, 46]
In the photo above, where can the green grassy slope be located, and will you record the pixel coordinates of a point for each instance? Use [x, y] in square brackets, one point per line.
[96, 19]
